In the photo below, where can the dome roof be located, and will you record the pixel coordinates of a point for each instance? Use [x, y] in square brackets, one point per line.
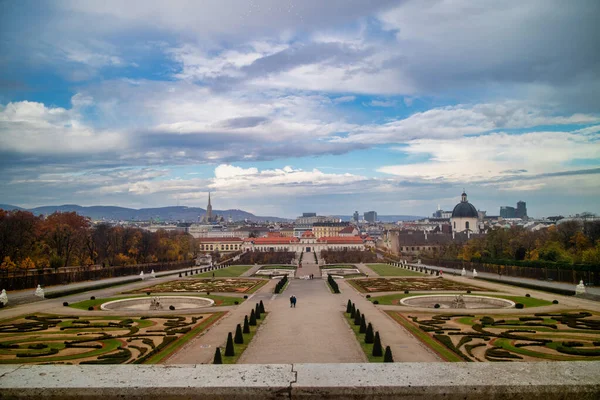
[464, 209]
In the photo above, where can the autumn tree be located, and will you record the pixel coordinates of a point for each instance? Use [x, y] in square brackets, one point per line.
[19, 234]
[64, 234]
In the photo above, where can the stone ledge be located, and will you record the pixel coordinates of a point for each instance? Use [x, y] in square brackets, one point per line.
[539, 380]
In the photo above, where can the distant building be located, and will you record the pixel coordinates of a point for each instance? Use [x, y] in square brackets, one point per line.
[209, 217]
[221, 244]
[309, 220]
[511, 212]
[507, 212]
[464, 216]
[307, 243]
[370, 217]
[439, 213]
[321, 229]
[355, 217]
[415, 243]
[521, 211]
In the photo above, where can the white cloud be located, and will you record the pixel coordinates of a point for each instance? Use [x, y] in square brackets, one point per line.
[382, 103]
[458, 121]
[497, 156]
[32, 128]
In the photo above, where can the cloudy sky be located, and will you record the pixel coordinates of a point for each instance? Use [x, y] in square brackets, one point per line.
[284, 106]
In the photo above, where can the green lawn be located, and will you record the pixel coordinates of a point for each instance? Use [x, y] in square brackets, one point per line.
[278, 267]
[338, 267]
[388, 270]
[219, 300]
[367, 348]
[233, 270]
[528, 302]
[240, 348]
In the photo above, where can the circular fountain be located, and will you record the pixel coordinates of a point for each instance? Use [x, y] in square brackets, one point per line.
[456, 301]
[158, 303]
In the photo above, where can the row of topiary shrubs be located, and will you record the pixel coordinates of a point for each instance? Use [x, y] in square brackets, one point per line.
[281, 284]
[370, 338]
[255, 315]
[333, 284]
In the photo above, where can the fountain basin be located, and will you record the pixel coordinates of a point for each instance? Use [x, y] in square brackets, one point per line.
[447, 300]
[144, 303]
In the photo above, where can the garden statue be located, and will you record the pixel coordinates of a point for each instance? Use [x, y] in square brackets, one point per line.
[39, 292]
[142, 275]
[155, 304]
[3, 297]
[152, 274]
[580, 289]
[464, 272]
[474, 273]
[458, 302]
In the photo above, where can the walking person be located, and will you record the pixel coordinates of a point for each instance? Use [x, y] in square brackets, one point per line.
[293, 301]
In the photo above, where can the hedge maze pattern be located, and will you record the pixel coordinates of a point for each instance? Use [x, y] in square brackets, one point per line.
[412, 284]
[230, 285]
[539, 337]
[50, 339]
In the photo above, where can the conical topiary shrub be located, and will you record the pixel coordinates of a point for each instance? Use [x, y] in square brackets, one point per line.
[229, 351]
[369, 337]
[217, 359]
[363, 324]
[357, 317]
[387, 357]
[252, 318]
[246, 324]
[377, 349]
[349, 307]
[262, 307]
[353, 311]
[239, 337]
[257, 311]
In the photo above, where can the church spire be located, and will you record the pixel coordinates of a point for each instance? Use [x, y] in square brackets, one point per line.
[209, 216]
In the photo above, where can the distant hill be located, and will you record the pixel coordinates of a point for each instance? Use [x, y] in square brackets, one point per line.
[8, 207]
[178, 213]
[384, 218]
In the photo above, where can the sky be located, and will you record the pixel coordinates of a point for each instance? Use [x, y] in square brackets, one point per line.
[280, 107]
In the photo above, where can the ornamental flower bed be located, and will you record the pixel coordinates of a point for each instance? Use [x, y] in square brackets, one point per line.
[49, 339]
[564, 336]
[412, 284]
[228, 285]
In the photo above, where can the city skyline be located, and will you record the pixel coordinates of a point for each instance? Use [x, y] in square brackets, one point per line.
[278, 109]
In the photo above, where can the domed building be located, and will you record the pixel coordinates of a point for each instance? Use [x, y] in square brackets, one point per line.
[465, 216]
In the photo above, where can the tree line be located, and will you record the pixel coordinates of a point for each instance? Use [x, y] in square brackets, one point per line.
[66, 239]
[571, 242]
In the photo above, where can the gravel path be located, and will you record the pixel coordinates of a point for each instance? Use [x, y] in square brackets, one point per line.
[315, 331]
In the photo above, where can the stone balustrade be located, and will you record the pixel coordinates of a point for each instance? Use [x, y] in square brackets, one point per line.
[449, 381]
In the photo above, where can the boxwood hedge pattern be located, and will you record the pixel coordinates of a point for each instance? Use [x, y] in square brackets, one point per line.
[563, 336]
[51, 339]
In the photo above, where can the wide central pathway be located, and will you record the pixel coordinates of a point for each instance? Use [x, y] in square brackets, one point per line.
[313, 332]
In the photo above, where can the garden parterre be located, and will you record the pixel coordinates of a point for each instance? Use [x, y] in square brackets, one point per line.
[560, 336]
[227, 285]
[371, 285]
[51, 339]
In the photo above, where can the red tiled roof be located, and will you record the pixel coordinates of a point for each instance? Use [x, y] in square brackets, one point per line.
[272, 240]
[219, 239]
[308, 234]
[348, 229]
[341, 240]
